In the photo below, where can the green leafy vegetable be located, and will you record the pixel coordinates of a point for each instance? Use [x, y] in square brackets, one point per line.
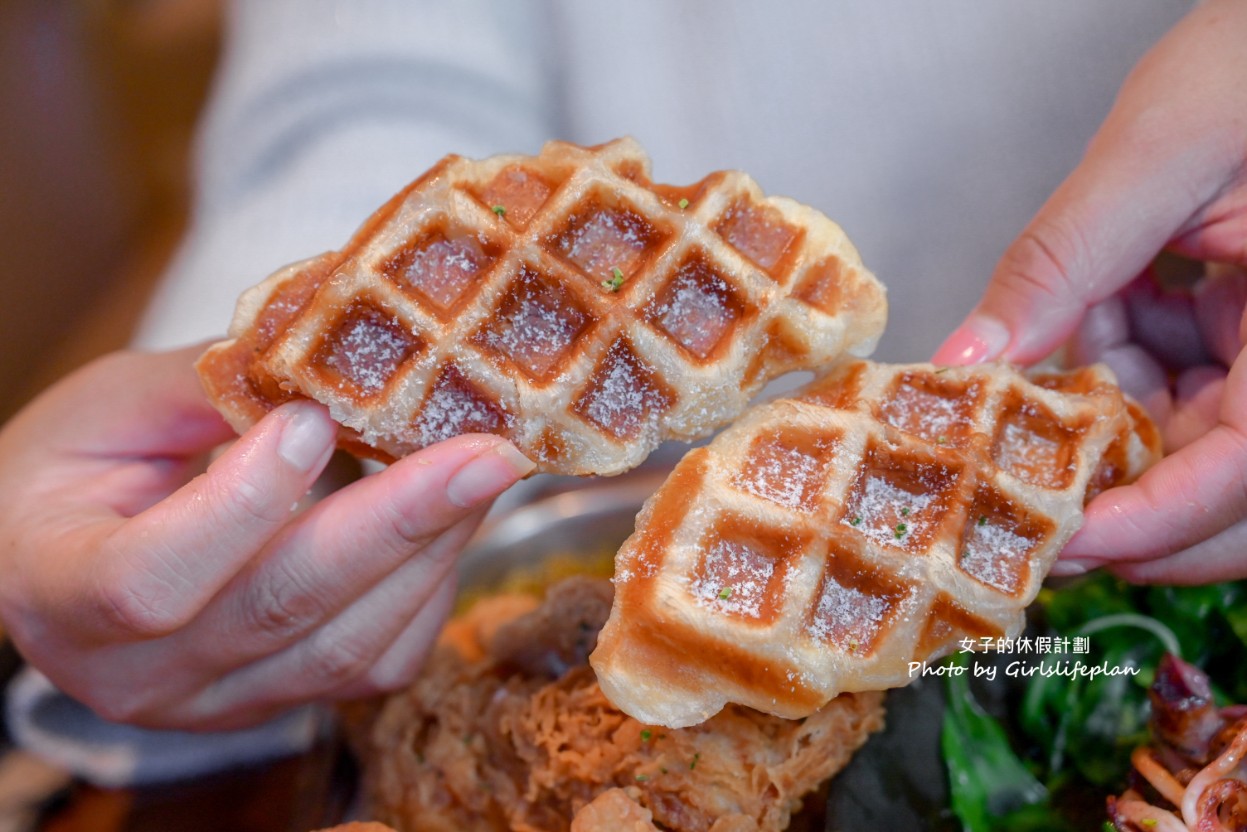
[988, 780]
[1084, 729]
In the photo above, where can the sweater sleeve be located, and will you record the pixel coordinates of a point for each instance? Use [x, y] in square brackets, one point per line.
[320, 111]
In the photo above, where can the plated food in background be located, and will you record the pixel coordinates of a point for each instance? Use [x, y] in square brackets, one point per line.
[1193, 775]
[507, 729]
[564, 301]
[873, 520]
[1048, 747]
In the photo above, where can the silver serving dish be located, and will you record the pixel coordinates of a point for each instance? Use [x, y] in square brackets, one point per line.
[578, 516]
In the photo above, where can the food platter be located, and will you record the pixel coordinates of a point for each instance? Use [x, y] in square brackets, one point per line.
[897, 779]
[901, 777]
[586, 517]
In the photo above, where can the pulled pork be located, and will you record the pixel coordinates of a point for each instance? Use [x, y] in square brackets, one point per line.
[507, 729]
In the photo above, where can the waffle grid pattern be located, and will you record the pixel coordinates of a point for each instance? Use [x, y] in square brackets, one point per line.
[568, 303]
[825, 541]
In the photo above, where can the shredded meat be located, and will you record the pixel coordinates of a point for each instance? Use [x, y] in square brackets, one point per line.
[614, 809]
[507, 729]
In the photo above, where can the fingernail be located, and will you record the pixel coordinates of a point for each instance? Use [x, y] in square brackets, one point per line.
[307, 436]
[1073, 568]
[979, 339]
[487, 475]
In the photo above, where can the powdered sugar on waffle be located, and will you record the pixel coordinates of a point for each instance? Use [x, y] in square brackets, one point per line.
[885, 513]
[444, 268]
[783, 476]
[624, 401]
[742, 579]
[696, 314]
[368, 354]
[992, 554]
[846, 615]
[934, 416]
[525, 271]
[450, 410]
[904, 546]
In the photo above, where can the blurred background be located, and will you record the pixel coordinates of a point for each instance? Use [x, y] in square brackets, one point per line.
[98, 101]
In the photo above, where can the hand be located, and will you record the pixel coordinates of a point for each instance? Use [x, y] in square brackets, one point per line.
[1168, 168]
[211, 603]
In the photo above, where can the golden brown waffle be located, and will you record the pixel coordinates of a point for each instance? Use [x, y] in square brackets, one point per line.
[878, 517]
[563, 301]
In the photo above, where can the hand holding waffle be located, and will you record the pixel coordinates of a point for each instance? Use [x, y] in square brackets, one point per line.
[563, 301]
[210, 603]
[574, 308]
[874, 518]
[1166, 170]
[441, 317]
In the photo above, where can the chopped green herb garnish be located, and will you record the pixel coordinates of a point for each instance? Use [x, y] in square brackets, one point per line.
[942, 370]
[856, 521]
[982, 520]
[641, 778]
[645, 735]
[725, 593]
[617, 279]
[1148, 822]
[683, 204]
[500, 210]
[905, 511]
[941, 439]
[693, 764]
[901, 528]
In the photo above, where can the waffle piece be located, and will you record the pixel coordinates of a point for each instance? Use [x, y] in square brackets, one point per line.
[880, 516]
[563, 301]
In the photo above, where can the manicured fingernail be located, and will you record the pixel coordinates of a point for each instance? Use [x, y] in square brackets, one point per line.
[487, 475]
[306, 437]
[980, 338]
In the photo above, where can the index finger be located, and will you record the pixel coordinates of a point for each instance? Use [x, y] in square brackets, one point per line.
[1156, 162]
[127, 404]
[1187, 498]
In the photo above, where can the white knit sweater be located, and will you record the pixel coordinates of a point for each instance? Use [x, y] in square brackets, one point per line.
[931, 131]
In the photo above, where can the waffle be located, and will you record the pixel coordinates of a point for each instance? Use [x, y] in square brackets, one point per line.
[563, 301]
[879, 516]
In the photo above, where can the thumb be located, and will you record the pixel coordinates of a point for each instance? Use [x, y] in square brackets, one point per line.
[1097, 233]
[1157, 159]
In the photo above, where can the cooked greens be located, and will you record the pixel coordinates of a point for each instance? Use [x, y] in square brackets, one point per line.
[1079, 730]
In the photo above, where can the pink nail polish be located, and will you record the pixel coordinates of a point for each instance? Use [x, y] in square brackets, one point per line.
[978, 339]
